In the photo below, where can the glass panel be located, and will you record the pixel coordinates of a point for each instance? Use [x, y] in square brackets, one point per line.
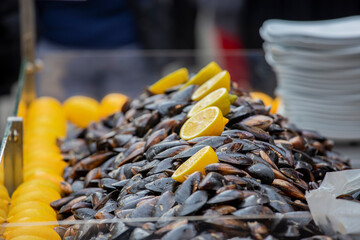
[96, 73]
[291, 225]
[20, 87]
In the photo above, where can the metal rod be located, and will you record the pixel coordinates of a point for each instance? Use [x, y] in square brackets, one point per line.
[28, 42]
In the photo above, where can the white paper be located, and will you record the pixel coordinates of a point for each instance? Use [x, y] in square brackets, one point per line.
[336, 215]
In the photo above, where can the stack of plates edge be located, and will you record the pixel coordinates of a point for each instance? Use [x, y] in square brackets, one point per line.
[317, 64]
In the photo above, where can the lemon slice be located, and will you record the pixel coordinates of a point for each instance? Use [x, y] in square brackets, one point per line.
[175, 78]
[266, 99]
[207, 122]
[220, 80]
[203, 75]
[219, 98]
[197, 162]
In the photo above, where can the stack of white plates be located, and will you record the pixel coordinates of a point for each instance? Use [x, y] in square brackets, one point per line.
[318, 70]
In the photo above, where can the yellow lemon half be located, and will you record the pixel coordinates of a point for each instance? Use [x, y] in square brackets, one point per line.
[220, 80]
[112, 103]
[21, 109]
[52, 167]
[197, 162]
[3, 213]
[27, 214]
[173, 79]
[45, 176]
[81, 110]
[31, 205]
[46, 103]
[275, 105]
[45, 189]
[266, 99]
[203, 75]
[4, 194]
[36, 195]
[36, 182]
[207, 122]
[218, 98]
[30, 172]
[44, 232]
[28, 237]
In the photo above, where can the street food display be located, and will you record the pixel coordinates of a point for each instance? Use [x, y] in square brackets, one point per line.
[188, 159]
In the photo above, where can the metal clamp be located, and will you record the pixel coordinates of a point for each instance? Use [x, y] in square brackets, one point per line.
[13, 154]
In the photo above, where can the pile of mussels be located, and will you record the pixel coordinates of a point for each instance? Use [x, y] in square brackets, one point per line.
[120, 169]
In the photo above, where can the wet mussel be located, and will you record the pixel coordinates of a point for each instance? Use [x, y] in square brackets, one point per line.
[265, 166]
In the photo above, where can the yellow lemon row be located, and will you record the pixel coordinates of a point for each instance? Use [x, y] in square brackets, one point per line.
[44, 123]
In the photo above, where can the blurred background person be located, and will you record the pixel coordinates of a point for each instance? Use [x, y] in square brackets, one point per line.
[9, 45]
[9, 57]
[233, 26]
[94, 27]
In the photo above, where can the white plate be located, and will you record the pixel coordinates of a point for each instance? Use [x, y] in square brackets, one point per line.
[319, 87]
[324, 124]
[303, 63]
[336, 33]
[347, 53]
[334, 128]
[323, 81]
[340, 28]
[350, 100]
[324, 115]
[321, 74]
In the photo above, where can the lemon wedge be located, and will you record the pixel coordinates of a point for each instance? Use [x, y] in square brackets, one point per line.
[207, 122]
[197, 162]
[220, 80]
[203, 75]
[172, 79]
[219, 98]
